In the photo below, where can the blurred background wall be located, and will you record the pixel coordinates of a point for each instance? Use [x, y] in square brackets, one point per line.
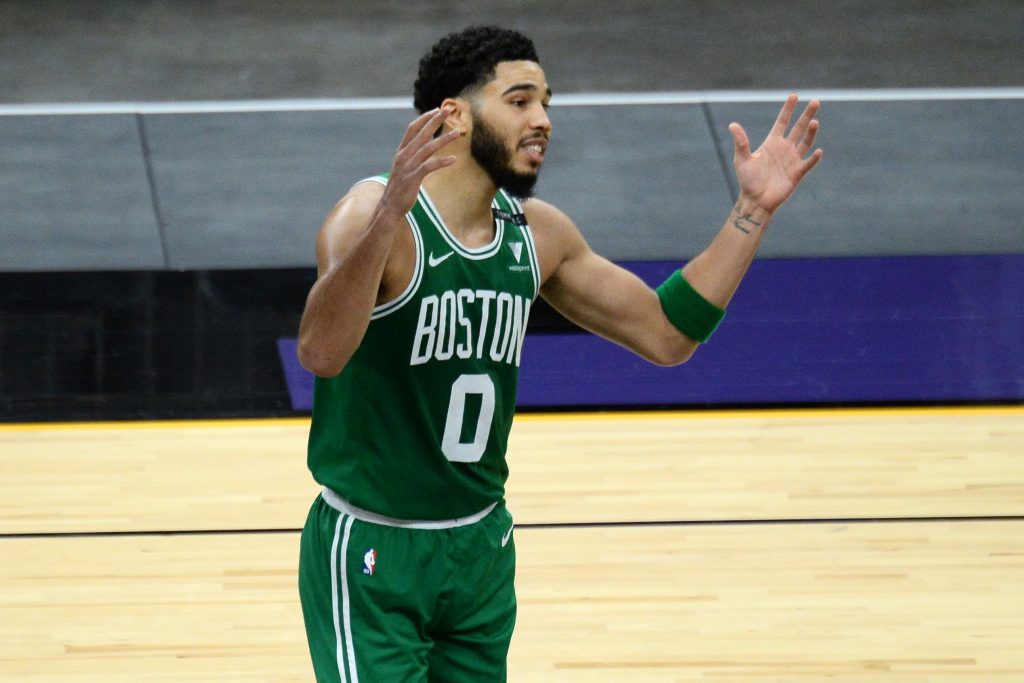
[164, 167]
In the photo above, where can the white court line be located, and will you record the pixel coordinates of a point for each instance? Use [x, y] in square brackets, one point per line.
[563, 100]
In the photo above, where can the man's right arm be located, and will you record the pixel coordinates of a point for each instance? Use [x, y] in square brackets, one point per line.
[352, 252]
[356, 255]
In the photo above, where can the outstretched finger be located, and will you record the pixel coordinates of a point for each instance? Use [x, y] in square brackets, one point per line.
[800, 127]
[433, 145]
[808, 140]
[740, 141]
[810, 162]
[424, 121]
[431, 165]
[782, 122]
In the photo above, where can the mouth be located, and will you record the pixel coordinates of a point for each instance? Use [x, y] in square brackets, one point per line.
[535, 149]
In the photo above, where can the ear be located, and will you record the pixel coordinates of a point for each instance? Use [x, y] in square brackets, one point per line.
[459, 116]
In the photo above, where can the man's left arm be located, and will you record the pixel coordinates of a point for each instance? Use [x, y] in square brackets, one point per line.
[766, 178]
[666, 326]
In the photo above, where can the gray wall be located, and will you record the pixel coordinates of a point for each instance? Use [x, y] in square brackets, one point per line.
[249, 189]
[160, 50]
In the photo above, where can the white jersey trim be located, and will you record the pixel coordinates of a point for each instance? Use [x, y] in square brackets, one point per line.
[417, 276]
[531, 248]
[389, 307]
[530, 245]
[474, 253]
[332, 498]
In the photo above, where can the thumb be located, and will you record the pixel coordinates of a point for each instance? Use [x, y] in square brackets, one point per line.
[742, 144]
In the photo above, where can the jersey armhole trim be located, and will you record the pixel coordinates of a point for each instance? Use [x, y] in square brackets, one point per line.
[414, 283]
[417, 276]
[531, 248]
[379, 179]
[473, 254]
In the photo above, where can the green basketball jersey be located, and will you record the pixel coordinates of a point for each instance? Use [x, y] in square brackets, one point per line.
[416, 425]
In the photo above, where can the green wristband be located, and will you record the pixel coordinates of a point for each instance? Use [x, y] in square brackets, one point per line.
[691, 313]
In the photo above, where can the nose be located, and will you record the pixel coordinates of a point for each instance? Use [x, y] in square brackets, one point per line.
[540, 120]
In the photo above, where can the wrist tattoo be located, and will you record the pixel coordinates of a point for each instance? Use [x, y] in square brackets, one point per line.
[745, 223]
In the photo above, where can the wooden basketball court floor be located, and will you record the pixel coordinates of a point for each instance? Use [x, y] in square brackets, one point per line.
[839, 545]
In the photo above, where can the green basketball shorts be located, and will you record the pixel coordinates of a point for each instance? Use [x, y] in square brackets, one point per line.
[387, 601]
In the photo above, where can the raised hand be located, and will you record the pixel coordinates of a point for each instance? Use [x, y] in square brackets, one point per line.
[415, 159]
[768, 176]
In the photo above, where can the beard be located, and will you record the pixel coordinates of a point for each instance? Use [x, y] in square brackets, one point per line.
[495, 158]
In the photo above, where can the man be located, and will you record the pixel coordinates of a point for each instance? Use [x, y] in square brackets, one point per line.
[414, 328]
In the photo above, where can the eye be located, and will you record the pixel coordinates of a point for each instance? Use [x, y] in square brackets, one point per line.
[518, 102]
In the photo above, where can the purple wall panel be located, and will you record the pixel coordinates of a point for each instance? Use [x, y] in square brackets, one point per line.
[839, 330]
[298, 379]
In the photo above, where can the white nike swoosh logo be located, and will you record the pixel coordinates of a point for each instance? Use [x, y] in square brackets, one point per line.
[508, 535]
[438, 259]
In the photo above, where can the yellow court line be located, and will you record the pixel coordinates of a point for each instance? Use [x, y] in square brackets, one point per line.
[624, 415]
[760, 413]
[156, 424]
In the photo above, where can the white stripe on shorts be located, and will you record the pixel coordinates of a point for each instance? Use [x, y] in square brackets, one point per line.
[350, 645]
[334, 598]
[338, 560]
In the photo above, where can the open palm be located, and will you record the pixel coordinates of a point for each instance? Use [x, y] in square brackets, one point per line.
[769, 175]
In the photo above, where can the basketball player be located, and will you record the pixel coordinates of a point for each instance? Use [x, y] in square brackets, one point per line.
[414, 329]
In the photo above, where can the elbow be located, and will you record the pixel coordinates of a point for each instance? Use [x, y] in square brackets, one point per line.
[326, 355]
[319, 362]
[670, 360]
[677, 352]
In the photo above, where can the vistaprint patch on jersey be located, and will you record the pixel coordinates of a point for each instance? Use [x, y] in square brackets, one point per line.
[370, 561]
[517, 250]
[502, 215]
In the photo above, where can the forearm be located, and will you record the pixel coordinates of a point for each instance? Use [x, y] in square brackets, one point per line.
[340, 303]
[717, 271]
[355, 245]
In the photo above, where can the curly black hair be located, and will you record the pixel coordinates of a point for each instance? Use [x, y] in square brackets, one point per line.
[465, 60]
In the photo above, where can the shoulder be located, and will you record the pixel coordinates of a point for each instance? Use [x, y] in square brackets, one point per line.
[556, 236]
[549, 223]
[346, 220]
[360, 201]
[354, 210]
[542, 215]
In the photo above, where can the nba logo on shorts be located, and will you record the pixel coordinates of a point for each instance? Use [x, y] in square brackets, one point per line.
[369, 561]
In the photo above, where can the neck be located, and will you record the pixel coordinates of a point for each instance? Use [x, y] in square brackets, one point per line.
[462, 194]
